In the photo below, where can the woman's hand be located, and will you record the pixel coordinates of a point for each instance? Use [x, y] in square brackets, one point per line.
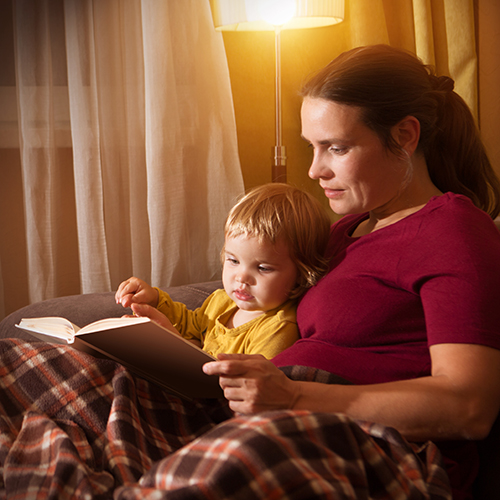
[253, 384]
[136, 291]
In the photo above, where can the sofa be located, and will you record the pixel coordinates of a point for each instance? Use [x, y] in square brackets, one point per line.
[87, 308]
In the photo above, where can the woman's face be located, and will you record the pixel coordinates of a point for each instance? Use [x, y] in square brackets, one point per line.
[352, 165]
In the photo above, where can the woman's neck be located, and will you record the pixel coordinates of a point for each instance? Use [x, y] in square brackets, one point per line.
[412, 199]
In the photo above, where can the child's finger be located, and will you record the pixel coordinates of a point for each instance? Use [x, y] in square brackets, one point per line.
[126, 287]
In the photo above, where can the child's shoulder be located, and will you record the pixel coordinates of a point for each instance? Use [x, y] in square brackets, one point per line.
[219, 297]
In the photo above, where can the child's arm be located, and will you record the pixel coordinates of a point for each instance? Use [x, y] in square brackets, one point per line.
[136, 291]
[160, 318]
[143, 300]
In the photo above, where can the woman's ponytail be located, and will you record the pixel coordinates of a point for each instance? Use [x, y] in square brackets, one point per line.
[456, 157]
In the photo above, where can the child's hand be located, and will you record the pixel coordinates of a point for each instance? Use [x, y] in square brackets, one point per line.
[144, 310]
[136, 291]
[154, 315]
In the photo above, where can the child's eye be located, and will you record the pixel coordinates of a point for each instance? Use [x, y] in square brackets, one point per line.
[265, 269]
[231, 260]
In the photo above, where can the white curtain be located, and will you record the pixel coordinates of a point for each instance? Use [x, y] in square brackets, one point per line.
[127, 142]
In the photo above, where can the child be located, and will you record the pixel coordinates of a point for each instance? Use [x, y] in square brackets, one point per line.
[275, 239]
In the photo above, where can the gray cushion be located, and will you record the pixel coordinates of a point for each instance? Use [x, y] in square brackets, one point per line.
[87, 308]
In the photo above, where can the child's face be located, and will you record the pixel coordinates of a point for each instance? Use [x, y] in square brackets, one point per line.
[258, 276]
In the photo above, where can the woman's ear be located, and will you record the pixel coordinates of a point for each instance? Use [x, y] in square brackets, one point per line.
[407, 134]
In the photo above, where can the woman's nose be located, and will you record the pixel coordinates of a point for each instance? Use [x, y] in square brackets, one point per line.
[319, 170]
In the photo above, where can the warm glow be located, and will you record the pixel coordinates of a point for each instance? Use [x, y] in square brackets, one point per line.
[276, 12]
[243, 15]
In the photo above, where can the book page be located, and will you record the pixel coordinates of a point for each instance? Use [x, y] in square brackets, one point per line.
[60, 328]
[110, 323]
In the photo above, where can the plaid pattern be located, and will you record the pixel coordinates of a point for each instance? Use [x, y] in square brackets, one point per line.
[76, 427]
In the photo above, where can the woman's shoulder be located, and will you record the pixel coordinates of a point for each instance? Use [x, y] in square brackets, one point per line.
[452, 227]
[452, 201]
[457, 213]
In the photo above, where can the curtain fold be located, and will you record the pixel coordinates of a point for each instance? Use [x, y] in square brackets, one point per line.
[488, 35]
[86, 144]
[36, 96]
[445, 39]
[127, 142]
[183, 134]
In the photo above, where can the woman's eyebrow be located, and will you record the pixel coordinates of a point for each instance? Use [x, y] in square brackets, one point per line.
[322, 141]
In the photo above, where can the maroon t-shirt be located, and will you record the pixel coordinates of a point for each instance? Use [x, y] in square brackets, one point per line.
[432, 277]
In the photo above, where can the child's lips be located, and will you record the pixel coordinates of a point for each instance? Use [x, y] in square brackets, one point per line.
[242, 295]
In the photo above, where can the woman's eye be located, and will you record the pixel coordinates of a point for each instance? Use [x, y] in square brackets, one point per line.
[337, 150]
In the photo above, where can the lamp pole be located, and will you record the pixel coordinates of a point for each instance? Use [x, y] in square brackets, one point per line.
[279, 166]
[267, 15]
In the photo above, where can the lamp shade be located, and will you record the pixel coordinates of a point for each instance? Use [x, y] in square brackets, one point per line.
[249, 15]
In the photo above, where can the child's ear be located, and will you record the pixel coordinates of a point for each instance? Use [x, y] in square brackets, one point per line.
[407, 134]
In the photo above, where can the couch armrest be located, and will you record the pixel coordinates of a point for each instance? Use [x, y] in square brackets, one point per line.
[87, 308]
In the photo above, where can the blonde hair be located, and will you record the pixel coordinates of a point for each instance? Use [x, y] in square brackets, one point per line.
[273, 211]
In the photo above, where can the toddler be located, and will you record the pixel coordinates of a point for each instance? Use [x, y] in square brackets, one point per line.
[275, 240]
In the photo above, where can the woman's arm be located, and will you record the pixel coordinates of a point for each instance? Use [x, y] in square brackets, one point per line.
[460, 400]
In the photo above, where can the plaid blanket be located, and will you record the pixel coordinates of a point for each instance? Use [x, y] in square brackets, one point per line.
[76, 427]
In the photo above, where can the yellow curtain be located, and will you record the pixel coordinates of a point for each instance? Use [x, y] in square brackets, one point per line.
[441, 32]
[488, 37]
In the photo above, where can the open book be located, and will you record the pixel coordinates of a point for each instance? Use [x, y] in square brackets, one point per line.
[146, 348]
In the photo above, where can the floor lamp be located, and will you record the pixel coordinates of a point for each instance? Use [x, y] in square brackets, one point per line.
[276, 15]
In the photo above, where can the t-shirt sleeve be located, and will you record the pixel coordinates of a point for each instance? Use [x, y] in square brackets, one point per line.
[191, 324]
[456, 271]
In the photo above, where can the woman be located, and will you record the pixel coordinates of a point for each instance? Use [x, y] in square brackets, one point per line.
[408, 311]
[406, 319]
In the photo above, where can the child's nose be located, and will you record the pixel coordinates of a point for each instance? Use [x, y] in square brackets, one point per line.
[243, 277]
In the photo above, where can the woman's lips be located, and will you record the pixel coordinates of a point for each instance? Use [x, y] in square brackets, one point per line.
[333, 193]
[242, 295]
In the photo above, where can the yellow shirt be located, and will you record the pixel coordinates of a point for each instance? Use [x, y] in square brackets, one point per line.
[268, 334]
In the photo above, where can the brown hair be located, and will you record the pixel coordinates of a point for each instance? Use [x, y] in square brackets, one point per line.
[278, 210]
[389, 84]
